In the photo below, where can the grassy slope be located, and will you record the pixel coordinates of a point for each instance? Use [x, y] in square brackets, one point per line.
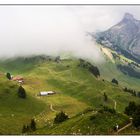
[75, 82]
[77, 88]
[100, 124]
[109, 70]
[14, 112]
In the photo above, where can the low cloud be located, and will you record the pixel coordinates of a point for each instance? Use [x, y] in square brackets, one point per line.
[54, 30]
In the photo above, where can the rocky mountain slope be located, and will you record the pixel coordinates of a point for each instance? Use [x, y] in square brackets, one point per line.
[123, 37]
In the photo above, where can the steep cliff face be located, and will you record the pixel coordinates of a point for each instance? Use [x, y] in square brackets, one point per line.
[123, 37]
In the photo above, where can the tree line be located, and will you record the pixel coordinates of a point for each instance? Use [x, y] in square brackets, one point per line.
[133, 110]
[91, 68]
[132, 91]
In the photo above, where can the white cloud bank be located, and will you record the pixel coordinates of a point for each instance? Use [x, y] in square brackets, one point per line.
[27, 30]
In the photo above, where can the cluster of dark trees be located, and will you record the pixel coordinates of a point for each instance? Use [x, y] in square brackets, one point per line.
[35, 59]
[105, 97]
[128, 70]
[133, 110]
[130, 109]
[107, 109]
[41, 58]
[57, 59]
[21, 92]
[132, 91]
[135, 64]
[115, 56]
[29, 128]
[115, 81]
[8, 75]
[60, 117]
[93, 69]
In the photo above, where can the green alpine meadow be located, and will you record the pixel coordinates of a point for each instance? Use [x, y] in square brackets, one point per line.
[70, 71]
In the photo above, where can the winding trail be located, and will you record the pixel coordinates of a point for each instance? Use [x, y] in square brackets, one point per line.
[115, 104]
[126, 126]
[52, 109]
[129, 124]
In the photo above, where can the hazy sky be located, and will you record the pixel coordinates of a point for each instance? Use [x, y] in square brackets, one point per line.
[26, 30]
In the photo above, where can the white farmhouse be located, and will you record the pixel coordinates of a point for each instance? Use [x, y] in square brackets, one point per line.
[45, 93]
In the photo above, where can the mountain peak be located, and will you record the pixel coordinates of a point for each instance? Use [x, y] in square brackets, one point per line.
[128, 16]
[124, 37]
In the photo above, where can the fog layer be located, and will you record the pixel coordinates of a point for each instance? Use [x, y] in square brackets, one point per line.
[54, 30]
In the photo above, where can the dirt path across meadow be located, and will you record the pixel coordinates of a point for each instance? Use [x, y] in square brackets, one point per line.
[52, 109]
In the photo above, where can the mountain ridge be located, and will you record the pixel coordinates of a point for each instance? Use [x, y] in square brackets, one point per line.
[124, 37]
